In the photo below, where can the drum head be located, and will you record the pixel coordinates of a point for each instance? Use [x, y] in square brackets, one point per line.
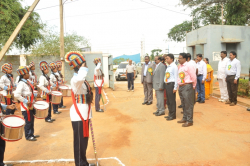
[13, 121]
[41, 105]
[56, 93]
[63, 87]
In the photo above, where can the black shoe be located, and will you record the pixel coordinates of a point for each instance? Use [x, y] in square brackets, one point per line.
[166, 116]
[170, 118]
[202, 102]
[156, 112]
[62, 106]
[198, 100]
[160, 114]
[144, 103]
[248, 109]
[149, 103]
[58, 112]
[49, 120]
[31, 139]
[101, 110]
[36, 136]
[52, 120]
[180, 106]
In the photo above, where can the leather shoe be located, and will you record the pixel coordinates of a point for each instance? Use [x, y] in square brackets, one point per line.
[48, 120]
[156, 112]
[202, 102]
[187, 124]
[31, 139]
[36, 136]
[149, 103]
[181, 121]
[180, 106]
[248, 109]
[57, 112]
[52, 120]
[198, 100]
[144, 103]
[62, 106]
[159, 114]
[228, 102]
[101, 110]
[166, 116]
[170, 118]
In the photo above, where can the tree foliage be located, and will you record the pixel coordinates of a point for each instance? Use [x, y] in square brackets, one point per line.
[119, 60]
[50, 43]
[155, 52]
[11, 13]
[205, 12]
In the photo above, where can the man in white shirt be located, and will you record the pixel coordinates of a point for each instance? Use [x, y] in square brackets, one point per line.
[98, 83]
[170, 80]
[221, 76]
[233, 69]
[201, 76]
[130, 75]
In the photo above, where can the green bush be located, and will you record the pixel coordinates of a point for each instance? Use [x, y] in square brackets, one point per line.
[243, 87]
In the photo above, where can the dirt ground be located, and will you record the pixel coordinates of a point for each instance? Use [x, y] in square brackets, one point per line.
[129, 134]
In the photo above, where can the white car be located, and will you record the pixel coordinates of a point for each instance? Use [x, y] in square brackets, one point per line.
[120, 72]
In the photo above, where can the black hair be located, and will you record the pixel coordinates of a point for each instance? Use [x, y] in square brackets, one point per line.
[189, 56]
[234, 53]
[89, 95]
[60, 74]
[224, 52]
[147, 57]
[46, 76]
[20, 77]
[171, 56]
[54, 74]
[199, 55]
[184, 55]
[207, 60]
[76, 69]
[9, 76]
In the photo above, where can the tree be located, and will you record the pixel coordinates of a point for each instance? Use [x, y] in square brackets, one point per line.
[119, 60]
[50, 43]
[11, 13]
[157, 51]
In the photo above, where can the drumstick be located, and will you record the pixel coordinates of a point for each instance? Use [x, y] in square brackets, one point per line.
[93, 140]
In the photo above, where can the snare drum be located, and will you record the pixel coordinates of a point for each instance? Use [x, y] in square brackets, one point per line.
[69, 92]
[64, 89]
[42, 108]
[56, 97]
[12, 128]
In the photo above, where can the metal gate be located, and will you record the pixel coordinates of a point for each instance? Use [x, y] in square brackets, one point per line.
[111, 73]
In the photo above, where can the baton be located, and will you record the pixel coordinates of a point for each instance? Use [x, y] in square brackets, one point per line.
[93, 140]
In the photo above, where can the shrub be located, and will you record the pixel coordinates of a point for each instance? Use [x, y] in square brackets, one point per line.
[243, 87]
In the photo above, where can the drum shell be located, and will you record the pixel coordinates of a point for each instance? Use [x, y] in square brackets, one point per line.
[55, 99]
[64, 92]
[12, 133]
[41, 113]
[69, 92]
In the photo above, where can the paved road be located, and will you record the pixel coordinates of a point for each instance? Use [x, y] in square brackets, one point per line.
[129, 131]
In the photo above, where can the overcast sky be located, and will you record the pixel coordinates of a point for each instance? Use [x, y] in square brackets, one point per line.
[118, 26]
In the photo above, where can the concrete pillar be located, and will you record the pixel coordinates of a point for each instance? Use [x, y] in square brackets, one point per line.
[23, 60]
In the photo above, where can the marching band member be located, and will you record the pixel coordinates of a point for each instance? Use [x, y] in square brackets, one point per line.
[33, 77]
[60, 78]
[25, 94]
[98, 83]
[54, 80]
[7, 84]
[44, 85]
[80, 111]
[2, 142]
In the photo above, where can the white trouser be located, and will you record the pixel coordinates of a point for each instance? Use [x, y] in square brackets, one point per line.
[223, 89]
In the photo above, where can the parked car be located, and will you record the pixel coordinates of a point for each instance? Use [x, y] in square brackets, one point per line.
[139, 67]
[120, 73]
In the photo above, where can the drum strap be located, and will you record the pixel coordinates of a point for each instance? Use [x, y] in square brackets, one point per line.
[31, 100]
[99, 87]
[85, 123]
[47, 99]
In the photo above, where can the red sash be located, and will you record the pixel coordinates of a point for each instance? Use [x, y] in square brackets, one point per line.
[31, 101]
[99, 88]
[85, 123]
[47, 98]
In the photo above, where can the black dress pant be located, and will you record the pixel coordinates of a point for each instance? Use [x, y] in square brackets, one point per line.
[130, 78]
[29, 125]
[49, 111]
[232, 88]
[80, 144]
[171, 99]
[2, 150]
[9, 111]
[61, 104]
[55, 107]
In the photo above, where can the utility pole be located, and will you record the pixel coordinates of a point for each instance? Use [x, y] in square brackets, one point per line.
[17, 30]
[222, 14]
[62, 37]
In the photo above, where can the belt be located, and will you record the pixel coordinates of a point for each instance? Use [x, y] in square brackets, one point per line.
[200, 74]
[185, 84]
[169, 83]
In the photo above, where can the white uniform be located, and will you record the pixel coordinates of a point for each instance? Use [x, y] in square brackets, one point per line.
[33, 78]
[98, 75]
[5, 83]
[43, 83]
[60, 79]
[221, 75]
[53, 79]
[78, 87]
[23, 93]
